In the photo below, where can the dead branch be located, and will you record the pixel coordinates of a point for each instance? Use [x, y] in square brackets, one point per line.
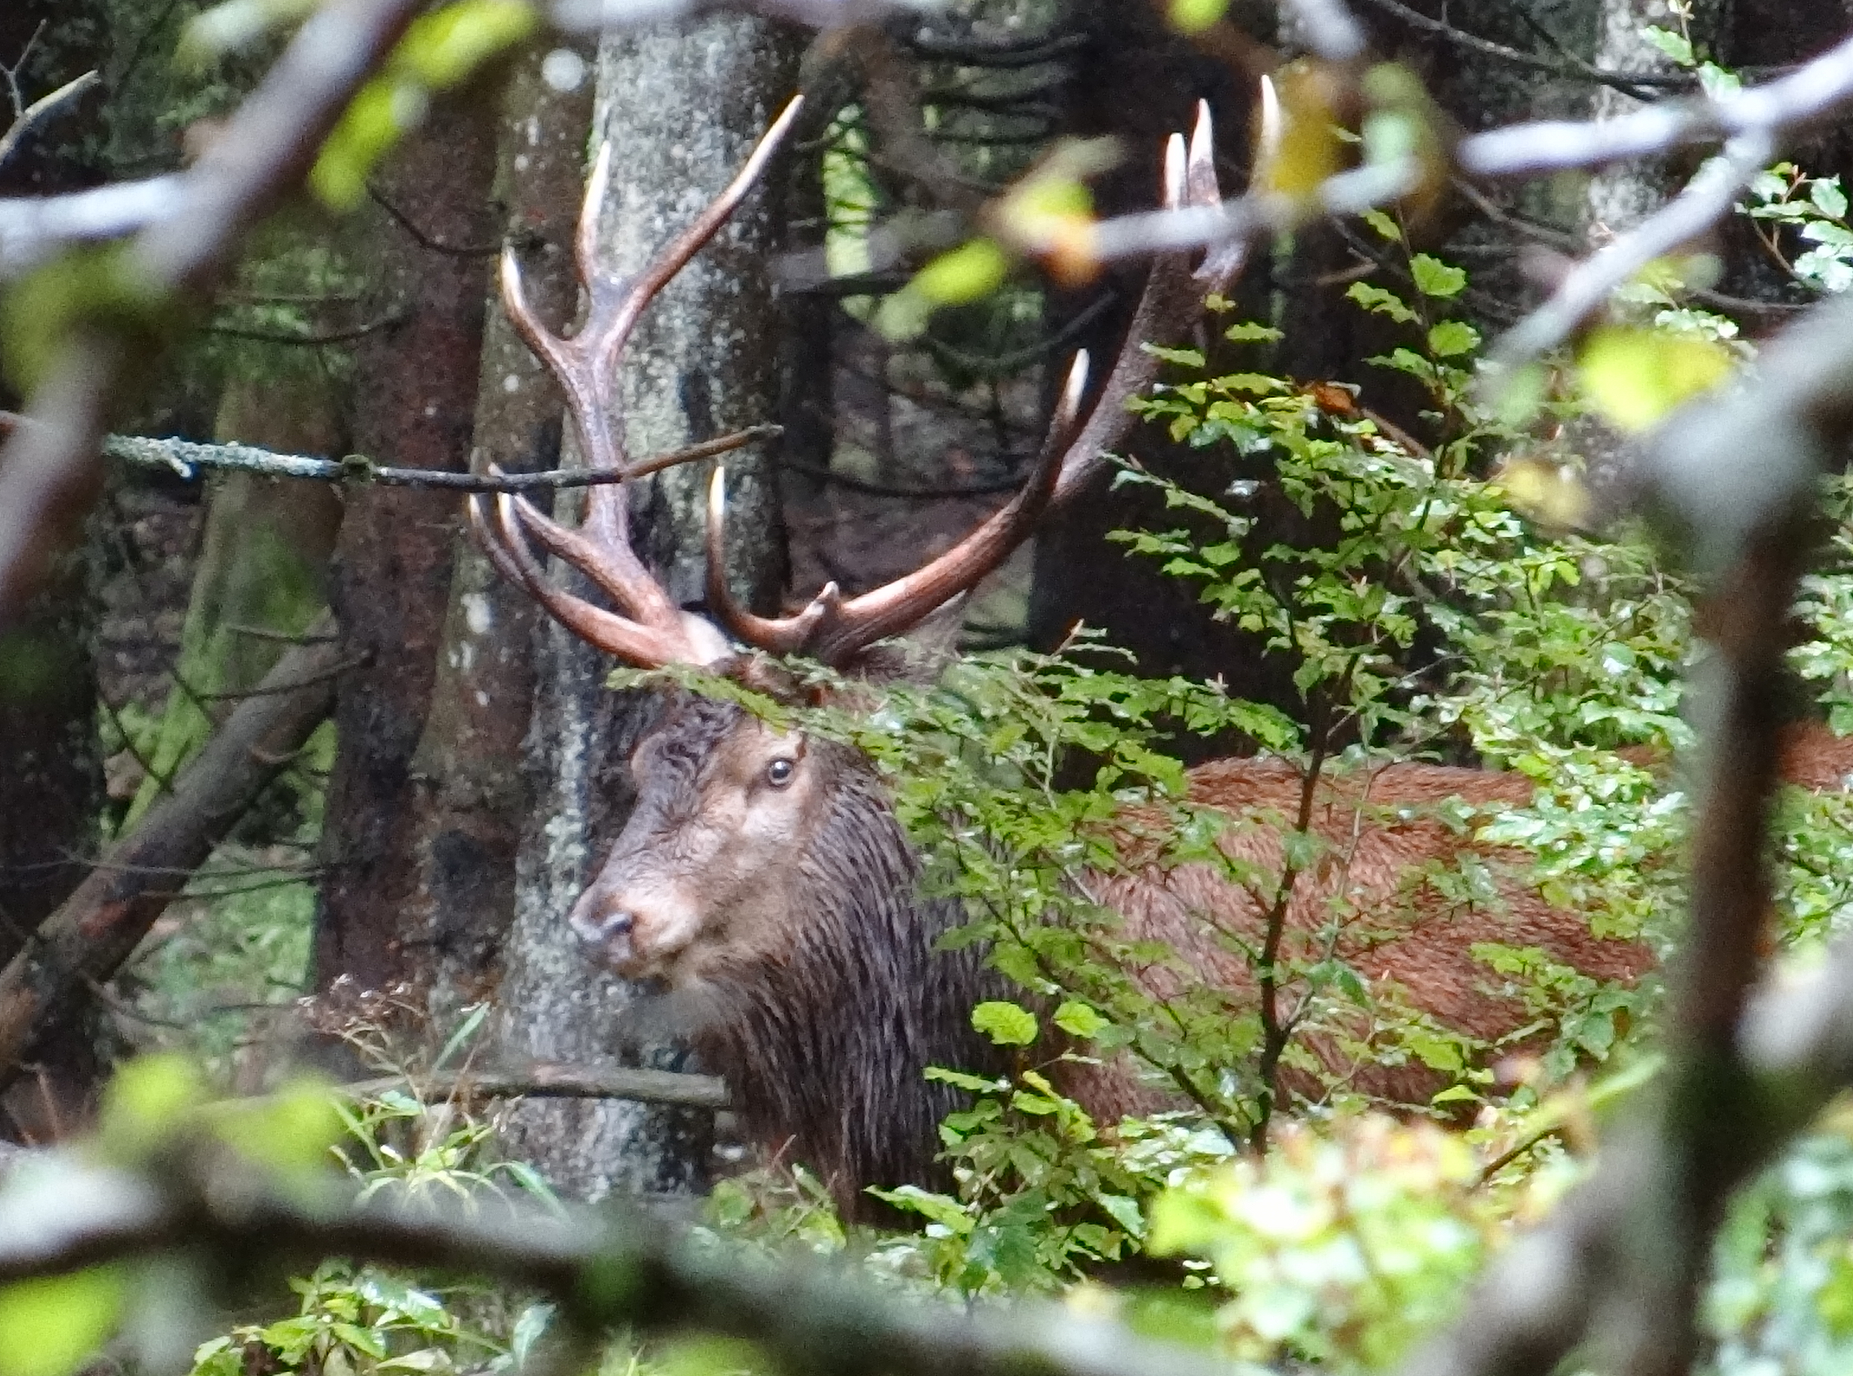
[42, 109]
[99, 925]
[183, 458]
[546, 1080]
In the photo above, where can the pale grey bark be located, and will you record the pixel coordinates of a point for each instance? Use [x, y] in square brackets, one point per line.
[682, 109]
[1620, 197]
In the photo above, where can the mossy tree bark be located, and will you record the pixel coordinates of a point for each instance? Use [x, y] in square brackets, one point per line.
[682, 108]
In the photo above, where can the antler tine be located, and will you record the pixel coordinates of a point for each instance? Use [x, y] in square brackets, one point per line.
[781, 635]
[832, 629]
[585, 236]
[639, 290]
[647, 647]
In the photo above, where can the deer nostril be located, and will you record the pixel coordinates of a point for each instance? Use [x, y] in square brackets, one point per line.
[601, 928]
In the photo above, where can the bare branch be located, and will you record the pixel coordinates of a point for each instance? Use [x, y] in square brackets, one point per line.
[41, 109]
[545, 1080]
[1811, 91]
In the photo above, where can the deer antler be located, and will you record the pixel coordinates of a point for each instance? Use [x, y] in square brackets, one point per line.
[648, 629]
[833, 628]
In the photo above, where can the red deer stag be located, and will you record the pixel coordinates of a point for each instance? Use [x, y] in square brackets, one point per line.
[767, 873]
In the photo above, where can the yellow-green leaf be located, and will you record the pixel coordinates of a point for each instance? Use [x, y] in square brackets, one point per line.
[963, 274]
[1194, 16]
[1006, 1024]
[1079, 1020]
[49, 1325]
[1634, 377]
[1451, 338]
[442, 49]
[149, 1100]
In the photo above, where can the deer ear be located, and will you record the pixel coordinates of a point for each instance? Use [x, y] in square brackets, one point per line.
[918, 656]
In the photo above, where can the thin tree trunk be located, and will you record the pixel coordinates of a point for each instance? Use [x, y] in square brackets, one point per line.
[682, 109]
[469, 762]
[416, 387]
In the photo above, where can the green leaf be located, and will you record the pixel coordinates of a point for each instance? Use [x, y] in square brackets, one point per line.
[1384, 225]
[1436, 278]
[49, 1325]
[1079, 1020]
[1828, 197]
[1194, 16]
[964, 274]
[1006, 1024]
[1675, 45]
[936, 1208]
[1452, 338]
[1377, 299]
[1248, 332]
[1635, 377]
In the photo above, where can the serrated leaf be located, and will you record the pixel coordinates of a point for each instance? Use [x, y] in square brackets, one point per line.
[1828, 197]
[1452, 338]
[1248, 332]
[1079, 1020]
[1006, 1024]
[1381, 301]
[1436, 278]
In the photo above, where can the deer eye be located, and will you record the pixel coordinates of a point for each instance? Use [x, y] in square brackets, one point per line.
[780, 772]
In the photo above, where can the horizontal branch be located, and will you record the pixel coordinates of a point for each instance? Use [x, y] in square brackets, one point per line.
[184, 457]
[546, 1080]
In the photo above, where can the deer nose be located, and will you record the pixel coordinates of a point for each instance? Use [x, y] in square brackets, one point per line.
[604, 929]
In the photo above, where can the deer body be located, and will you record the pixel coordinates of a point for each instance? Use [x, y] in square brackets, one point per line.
[764, 878]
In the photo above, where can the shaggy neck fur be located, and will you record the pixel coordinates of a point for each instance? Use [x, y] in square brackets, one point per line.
[825, 1050]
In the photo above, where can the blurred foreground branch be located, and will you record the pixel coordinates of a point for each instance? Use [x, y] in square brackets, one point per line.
[619, 1268]
[49, 471]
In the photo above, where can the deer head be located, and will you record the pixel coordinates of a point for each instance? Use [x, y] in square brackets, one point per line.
[726, 849]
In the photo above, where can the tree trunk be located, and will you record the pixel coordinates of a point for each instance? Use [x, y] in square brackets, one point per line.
[49, 753]
[682, 108]
[469, 763]
[416, 387]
